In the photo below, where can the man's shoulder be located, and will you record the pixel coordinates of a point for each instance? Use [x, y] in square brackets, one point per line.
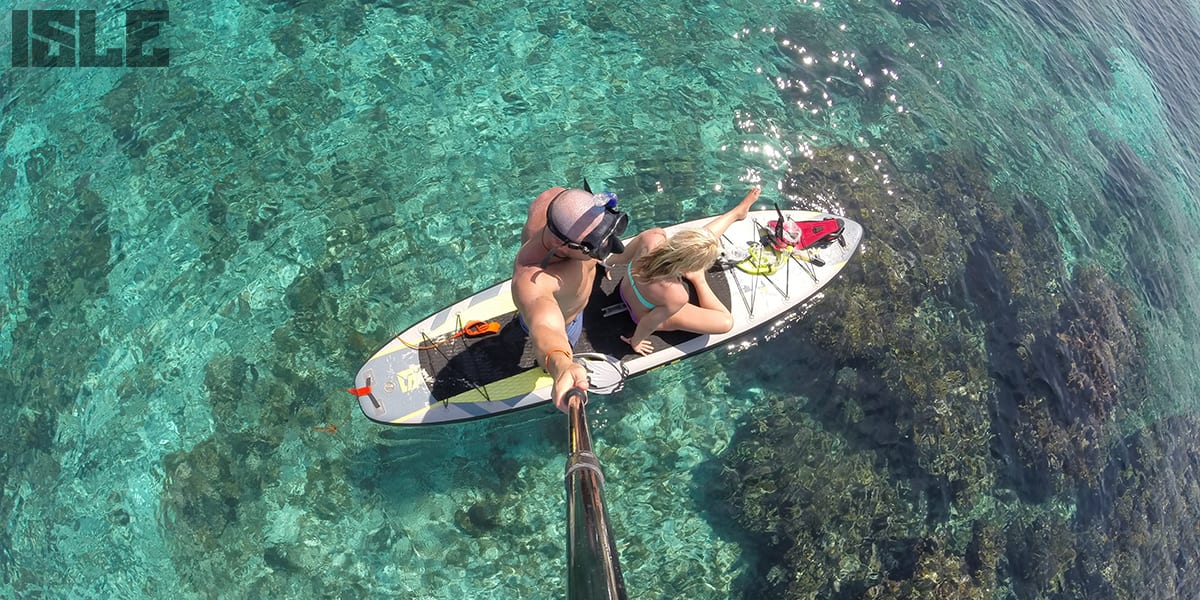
[527, 257]
[527, 267]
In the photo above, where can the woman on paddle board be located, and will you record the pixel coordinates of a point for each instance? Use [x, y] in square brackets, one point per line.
[652, 286]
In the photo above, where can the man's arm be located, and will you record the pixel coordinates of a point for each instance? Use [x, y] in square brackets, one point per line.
[533, 293]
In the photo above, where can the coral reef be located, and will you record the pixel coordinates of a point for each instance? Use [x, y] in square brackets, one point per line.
[873, 525]
[67, 280]
[998, 370]
[899, 312]
[1141, 540]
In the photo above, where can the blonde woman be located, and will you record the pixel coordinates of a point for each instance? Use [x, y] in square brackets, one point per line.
[652, 286]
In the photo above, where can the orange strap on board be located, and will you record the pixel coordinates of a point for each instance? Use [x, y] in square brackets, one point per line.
[480, 329]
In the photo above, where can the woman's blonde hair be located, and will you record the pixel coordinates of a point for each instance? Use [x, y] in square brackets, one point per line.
[686, 251]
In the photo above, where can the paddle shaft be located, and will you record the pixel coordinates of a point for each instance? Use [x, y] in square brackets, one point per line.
[593, 569]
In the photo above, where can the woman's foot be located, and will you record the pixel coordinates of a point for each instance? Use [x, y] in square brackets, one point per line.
[743, 208]
[737, 213]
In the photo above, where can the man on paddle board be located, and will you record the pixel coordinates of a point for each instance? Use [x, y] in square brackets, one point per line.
[566, 234]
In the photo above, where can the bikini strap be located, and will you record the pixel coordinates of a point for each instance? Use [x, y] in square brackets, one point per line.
[636, 291]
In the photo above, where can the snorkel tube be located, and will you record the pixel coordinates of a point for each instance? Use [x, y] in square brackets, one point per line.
[778, 225]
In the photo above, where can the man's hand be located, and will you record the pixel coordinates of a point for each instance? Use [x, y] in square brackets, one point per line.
[569, 375]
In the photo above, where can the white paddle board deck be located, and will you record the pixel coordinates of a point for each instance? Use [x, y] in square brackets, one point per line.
[428, 374]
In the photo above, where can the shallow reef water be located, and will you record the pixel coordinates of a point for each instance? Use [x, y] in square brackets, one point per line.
[996, 399]
[975, 417]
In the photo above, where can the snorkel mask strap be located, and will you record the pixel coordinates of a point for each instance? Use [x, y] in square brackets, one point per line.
[549, 255]
[550, 219]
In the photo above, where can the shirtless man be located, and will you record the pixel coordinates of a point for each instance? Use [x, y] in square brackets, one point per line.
[566, 234]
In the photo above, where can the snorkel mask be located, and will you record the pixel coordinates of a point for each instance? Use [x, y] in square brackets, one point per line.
[605, 238]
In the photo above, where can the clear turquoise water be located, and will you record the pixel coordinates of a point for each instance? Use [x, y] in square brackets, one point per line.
[197, 258]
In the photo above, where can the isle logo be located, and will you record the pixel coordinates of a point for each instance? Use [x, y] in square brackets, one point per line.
[67, 38]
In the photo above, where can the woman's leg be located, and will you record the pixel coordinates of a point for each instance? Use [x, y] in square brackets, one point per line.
[735, 214]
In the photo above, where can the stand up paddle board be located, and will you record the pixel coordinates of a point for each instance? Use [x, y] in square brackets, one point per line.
[473, 359]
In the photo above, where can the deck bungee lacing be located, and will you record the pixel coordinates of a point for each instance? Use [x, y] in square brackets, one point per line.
[466, 378]
[780, 241]
[737, 251]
